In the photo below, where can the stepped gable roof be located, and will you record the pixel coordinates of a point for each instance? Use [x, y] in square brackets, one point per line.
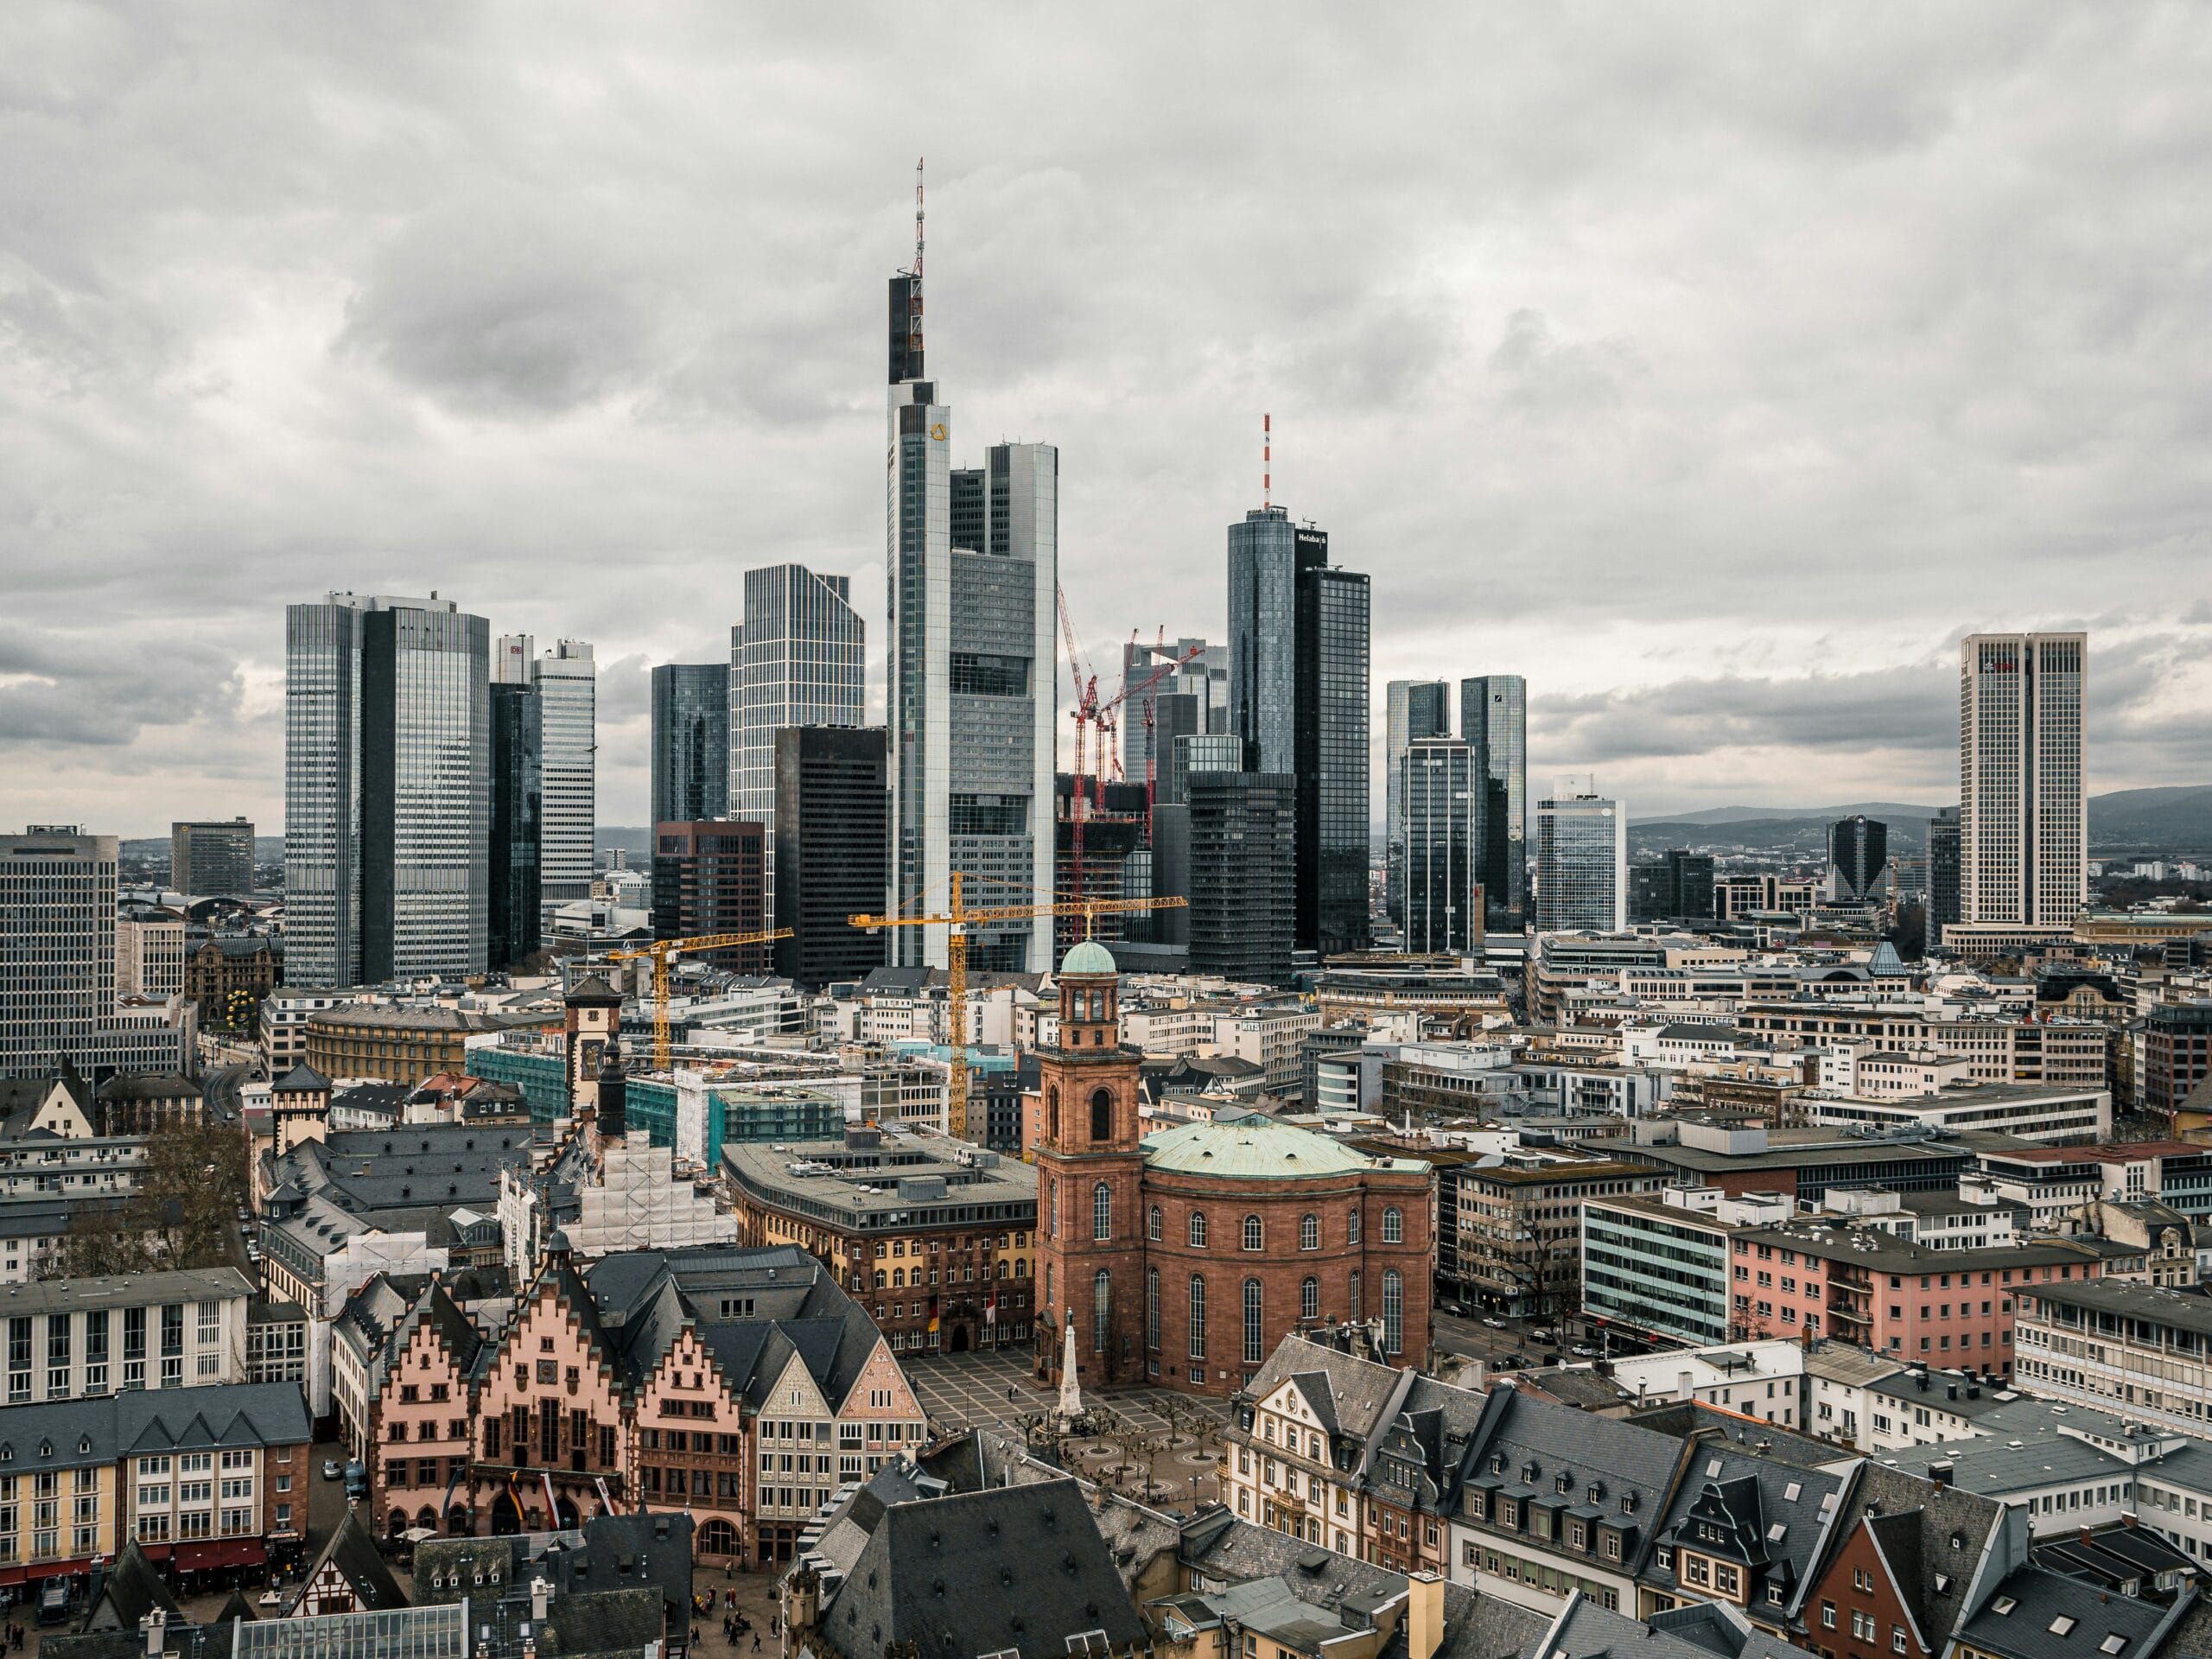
[353, 1552]
[433, 1306]
[132, 1589]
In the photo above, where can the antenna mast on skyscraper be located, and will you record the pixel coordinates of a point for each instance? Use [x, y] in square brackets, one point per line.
[1267, 460]
[918, 222]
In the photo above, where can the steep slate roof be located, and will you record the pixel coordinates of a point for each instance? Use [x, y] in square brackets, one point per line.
[302, 1079]
[1914, 1528]
[353, 1551]
[1524, 1445]
[1703, 1629]
[1013, 1567]
[1779, 1520]
[132, 1589]
[2018, 1620]
[648, 1551]
[1352, 1394]
[644, 1299]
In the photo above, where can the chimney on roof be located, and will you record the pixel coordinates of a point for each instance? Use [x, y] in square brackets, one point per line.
[1940, 1473]
[2087, 1537]
[155, 1625]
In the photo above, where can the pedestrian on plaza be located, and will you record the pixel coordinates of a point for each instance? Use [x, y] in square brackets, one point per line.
[756, 1641]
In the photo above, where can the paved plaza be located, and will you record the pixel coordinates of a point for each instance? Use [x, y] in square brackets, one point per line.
[1151, 1444]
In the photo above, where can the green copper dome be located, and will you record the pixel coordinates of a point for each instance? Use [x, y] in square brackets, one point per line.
[1089, 956]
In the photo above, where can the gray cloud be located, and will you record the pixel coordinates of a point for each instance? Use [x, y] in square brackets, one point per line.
[1715, 369]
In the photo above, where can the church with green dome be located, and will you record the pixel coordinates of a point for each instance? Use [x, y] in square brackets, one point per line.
[1182, 1257]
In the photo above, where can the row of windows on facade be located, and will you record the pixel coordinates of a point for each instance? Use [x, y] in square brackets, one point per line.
[1256, 1344]
[1254, 1232]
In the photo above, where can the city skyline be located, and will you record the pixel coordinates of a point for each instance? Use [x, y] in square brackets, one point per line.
[573, 450]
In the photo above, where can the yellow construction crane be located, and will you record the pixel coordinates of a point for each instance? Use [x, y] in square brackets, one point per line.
[956, 919]
[662, 952]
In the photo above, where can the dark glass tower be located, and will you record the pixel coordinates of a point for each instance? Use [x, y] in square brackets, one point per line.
[1298, 700]
[1858, 851]
[691, 749]
[1242, 851]
[1415, 710]
[832, 849]
[518, 781]
[1943, 870]
[1494, 721]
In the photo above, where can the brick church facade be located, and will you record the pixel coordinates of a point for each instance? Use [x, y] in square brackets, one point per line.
[1183, 1262]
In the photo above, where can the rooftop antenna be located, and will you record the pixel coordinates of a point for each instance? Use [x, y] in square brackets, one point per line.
[915, 326]
[1266, 461]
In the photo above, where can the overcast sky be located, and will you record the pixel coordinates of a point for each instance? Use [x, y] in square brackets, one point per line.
[1716, 368]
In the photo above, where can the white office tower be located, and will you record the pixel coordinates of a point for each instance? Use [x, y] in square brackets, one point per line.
[2023, 805]
[971, 695]
[387, 791]
[57, 943]
[1581, 865]
[567, 694]
[798, 658]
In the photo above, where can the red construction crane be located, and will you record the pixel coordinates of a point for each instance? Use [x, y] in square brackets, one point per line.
[1085, 716]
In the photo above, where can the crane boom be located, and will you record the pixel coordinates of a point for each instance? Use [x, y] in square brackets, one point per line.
[956, 919]
[662, 952]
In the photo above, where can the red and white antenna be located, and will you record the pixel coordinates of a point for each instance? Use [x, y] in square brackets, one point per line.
[1267, 460]
[918, 222]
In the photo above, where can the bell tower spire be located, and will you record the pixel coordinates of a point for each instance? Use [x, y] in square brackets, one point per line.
[1089, 1181]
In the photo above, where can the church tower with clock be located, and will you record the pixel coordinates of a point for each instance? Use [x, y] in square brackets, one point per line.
[1089, 1183]
[592, 1025]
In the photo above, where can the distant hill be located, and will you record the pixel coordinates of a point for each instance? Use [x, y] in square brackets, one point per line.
[1889, 811]
[2176, 817]
[633, 838]
[1806, 834]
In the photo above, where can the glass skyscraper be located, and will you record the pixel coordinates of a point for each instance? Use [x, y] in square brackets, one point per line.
[517, 784]
[798, 658]
[1581, 865]
[1442, 897]
[1494, 721]
[1263, 639]
[1412, 708]
[971, 697]
[1201, 684]
[568, 687]
[692, 755]
[1334, 765]
[387, 830]
[1943, 870]
[1298, 699]
[1859, 854]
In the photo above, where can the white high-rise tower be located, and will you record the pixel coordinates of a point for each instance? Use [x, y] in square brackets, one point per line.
[2024, 808]
[972, 562]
